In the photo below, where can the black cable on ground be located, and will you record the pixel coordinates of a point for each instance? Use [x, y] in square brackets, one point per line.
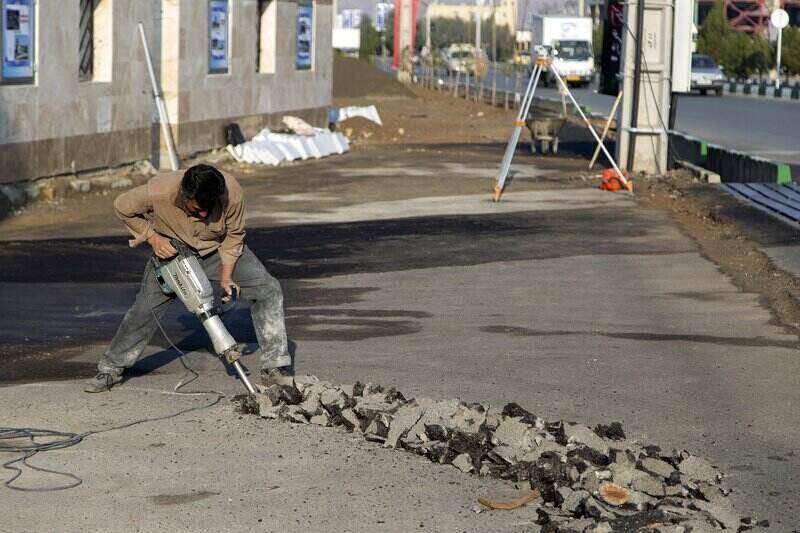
[57, 440]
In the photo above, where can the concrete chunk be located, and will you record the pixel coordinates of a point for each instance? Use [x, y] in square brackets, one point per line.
[698, 469]
[401, 422]
[657, 467]
[513, 433]
[463, 462]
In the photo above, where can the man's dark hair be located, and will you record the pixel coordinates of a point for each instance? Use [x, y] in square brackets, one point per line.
[204, 184]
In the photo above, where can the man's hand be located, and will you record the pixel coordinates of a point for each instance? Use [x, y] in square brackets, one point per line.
[227, 283]
[161, 246]
[230, 287]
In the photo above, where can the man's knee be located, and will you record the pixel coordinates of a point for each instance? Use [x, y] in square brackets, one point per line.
[267, 289]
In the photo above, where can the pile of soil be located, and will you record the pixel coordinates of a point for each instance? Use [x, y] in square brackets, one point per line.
[354, 78]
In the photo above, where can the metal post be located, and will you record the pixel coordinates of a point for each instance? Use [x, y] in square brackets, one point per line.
[466, 85]
[494, 83]
[778, 59]
[163, 118]
[505, 85]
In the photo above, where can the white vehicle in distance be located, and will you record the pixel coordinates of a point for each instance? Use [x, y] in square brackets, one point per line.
[460, 58]
[706, 75]
[568, 41]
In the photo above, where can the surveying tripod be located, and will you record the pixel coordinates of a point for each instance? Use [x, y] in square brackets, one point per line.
[542, 63]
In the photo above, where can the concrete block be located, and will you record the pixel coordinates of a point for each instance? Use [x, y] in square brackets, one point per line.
[656, 466]
[463, 462]
[513, 433]
[698, 469]
[294, 413]
[401, 423]
[322, 419]
[576, 433]
[649, 485]
[574, 500]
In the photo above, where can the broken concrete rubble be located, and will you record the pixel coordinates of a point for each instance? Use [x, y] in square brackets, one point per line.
[588, 480]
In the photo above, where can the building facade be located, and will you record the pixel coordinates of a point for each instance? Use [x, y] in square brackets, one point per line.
[75, 92]
[505, 12]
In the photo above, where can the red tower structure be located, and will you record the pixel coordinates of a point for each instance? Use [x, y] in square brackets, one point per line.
[751, 16]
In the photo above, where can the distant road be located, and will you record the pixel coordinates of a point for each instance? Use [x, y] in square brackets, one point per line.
[762, 127]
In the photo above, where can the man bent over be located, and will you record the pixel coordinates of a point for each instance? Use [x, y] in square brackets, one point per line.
[203, 208]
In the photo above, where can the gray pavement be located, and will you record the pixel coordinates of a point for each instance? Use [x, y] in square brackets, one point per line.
[575, 303]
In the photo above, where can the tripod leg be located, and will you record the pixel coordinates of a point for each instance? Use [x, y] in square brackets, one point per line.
[505, 166]
[622, 178]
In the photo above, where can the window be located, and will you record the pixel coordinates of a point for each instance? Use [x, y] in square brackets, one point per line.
[267, 33]
[94, 45]
[304, 52]
[218, 32]
[17, 43]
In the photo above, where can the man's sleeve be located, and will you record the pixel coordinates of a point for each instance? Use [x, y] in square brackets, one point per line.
[131, 208]
[233, 243]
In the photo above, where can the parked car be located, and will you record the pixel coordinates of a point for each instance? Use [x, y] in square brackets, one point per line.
[460, 58]
[706, 75]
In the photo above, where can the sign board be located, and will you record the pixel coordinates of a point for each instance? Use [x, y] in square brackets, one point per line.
[347, 39]
[218, 32]
[305, 36]
[351, 18]
[382, 11]
[611, 58]
[18, 42]
[779, 18]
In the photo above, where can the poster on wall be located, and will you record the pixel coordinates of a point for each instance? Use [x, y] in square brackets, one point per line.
[305, 33]
[218, 36]
[17, 40]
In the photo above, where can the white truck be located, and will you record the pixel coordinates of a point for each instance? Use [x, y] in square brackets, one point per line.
[568, 40]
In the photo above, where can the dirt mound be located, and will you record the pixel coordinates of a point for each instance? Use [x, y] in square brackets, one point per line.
[354, 78]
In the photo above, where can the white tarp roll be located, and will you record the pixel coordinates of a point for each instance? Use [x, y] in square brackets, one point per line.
[268, 148]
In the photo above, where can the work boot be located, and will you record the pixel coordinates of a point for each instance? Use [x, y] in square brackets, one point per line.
[103, 382]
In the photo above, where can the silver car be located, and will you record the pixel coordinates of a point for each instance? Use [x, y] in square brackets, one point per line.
[706, 75]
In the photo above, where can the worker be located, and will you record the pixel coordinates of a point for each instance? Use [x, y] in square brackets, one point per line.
[203, 208]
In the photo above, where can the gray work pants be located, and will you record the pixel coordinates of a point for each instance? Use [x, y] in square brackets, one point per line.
[257, 285]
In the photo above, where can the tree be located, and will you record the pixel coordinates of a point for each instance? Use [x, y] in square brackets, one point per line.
[740, 54]
[790, 57]
[370, 39]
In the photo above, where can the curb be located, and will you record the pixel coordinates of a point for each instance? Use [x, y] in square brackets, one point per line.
[763, 90]
[731, 165]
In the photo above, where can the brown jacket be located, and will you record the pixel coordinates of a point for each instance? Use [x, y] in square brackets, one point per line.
[155, 208]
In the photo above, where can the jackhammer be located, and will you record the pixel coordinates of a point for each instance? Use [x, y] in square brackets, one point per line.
[183, 277]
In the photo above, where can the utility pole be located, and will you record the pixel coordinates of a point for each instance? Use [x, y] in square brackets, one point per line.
[494, 32]
[581, 8]
[646, 68]
[428, 27]
[478, 21]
